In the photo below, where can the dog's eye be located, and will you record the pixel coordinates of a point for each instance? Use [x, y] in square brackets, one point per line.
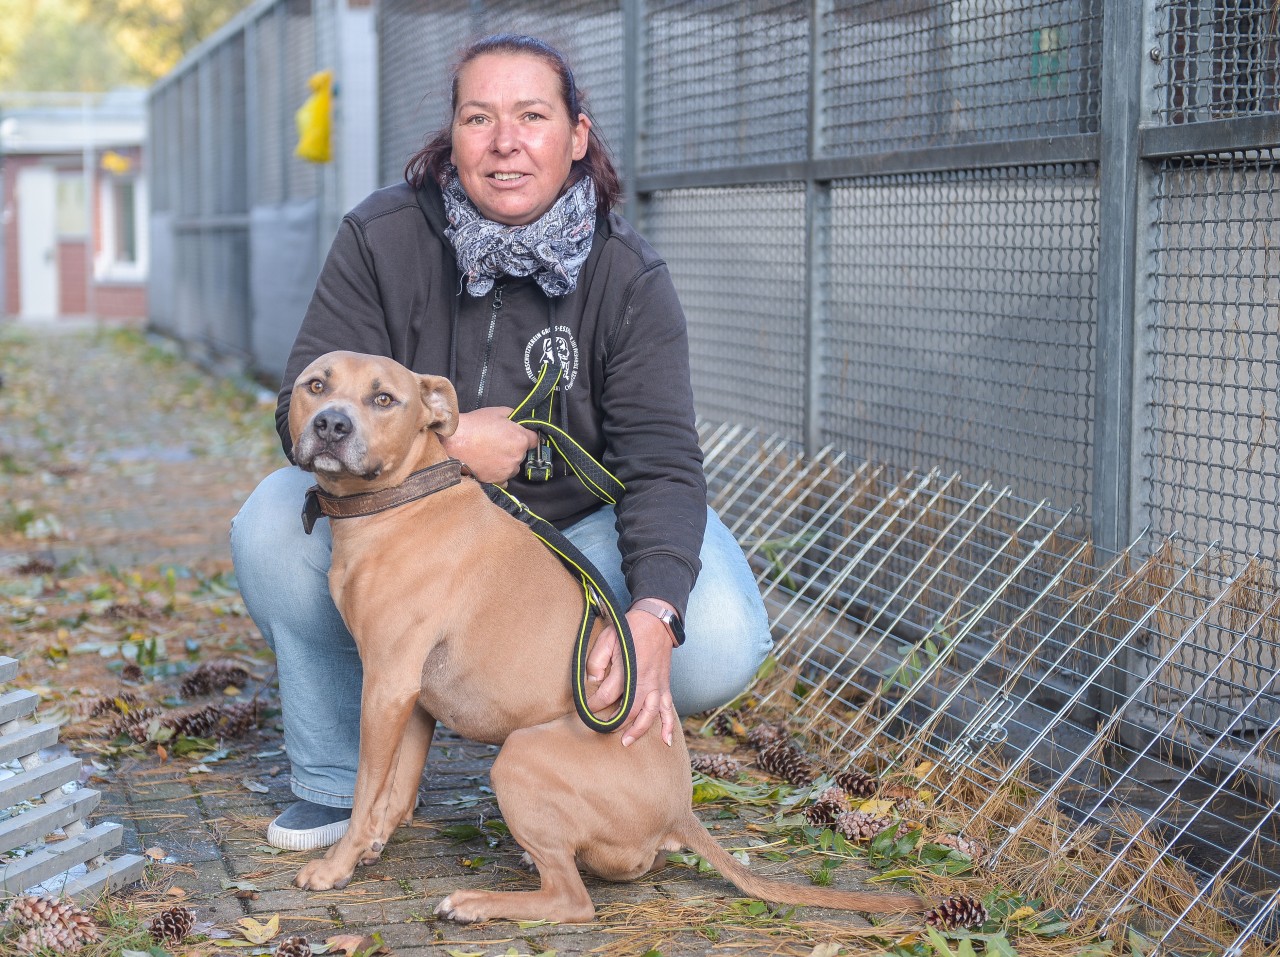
[315, 386]
[382, 399]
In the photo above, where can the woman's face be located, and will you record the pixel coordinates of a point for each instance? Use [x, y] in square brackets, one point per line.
[513, 139]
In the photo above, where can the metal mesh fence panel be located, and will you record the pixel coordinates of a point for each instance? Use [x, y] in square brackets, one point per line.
[737, 258]
[417, 44]
[960, 324]
[269, 110]
[1216, 59]
[302, 179]
[725, 83]
[228, 174]
[915, 73]
[162, 137]
[1211, 402]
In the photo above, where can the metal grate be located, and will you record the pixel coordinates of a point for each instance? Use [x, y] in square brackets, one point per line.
[1107, 725]
[959, 329]
[736, 258]
[417, 43]
[698, 112]
[1211, 401]
[1217, 60]
[916, 74]
[269, 115]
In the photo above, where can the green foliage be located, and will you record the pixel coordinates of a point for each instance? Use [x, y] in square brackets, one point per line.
[917, 659]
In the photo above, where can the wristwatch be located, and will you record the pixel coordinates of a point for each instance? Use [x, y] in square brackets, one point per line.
[665, 615]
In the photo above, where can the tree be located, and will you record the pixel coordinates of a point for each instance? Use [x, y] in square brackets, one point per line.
[58, 45]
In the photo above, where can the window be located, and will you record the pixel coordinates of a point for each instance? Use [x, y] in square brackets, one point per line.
[72, 221]
[126, 221]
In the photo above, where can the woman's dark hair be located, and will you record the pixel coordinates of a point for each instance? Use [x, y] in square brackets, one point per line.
[432, 161]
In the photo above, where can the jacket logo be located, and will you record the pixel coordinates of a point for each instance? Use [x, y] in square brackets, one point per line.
[557, 346]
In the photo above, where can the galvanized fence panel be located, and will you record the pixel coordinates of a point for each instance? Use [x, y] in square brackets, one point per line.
[959, 326]
[1211, 400]
[918, 73]
[736, 255]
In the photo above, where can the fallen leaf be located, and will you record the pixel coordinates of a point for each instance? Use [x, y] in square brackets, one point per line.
[1021, 912]
[199, 769]
[246, 895]
[258, 933]
[876, 808]
[255, 787]
[156, 853]
[176, 892]
[163, 752]
[825, 950]
[351, 944]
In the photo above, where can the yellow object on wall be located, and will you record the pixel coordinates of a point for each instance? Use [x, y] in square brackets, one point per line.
[315, 120]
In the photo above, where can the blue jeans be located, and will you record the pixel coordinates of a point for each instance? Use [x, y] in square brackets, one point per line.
[283, 578]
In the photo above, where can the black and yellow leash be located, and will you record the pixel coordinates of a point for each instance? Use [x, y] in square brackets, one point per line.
[596, 593]
[534, 412]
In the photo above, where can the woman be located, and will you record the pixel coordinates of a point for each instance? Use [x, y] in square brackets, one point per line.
[499, 253]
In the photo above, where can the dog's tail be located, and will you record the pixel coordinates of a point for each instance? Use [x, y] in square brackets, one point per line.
[696, 837]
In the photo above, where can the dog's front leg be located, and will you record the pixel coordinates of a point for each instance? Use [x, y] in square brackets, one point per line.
[384, 713]
[409, 765]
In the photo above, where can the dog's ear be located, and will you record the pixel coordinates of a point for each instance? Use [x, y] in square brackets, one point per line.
[441, 403]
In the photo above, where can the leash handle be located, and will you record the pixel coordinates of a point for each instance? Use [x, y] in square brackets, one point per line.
[596, 592]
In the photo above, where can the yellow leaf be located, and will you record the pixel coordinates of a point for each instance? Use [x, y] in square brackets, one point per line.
[877, 808]
[922, 769]
[257, 933]
[1022, 912]
[234, 943]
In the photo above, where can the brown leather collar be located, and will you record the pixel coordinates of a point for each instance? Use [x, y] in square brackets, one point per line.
[418, 485]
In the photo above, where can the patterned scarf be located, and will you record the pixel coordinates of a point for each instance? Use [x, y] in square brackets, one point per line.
[552, 248]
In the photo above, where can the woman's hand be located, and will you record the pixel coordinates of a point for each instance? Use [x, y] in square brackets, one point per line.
[653, 676]
[490, 444]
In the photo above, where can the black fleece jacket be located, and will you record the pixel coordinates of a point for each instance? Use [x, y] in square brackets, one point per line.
[390, 286]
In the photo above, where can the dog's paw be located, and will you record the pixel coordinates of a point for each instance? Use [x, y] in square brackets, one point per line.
[317, 877]
[449, 910]
[528, 863]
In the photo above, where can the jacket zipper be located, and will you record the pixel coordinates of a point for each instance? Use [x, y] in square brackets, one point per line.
[488, 346]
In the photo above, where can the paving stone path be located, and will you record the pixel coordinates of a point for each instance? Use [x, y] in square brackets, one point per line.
[116, 454]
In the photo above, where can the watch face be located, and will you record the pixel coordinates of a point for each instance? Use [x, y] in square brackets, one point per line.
[677, 627]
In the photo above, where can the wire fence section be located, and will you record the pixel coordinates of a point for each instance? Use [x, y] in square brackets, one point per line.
[1104, 726]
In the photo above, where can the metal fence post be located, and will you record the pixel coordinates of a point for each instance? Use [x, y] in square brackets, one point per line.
[817, 208]
[1118, 265]
[632, 105]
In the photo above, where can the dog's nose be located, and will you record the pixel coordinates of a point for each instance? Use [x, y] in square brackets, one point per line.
[332, 424]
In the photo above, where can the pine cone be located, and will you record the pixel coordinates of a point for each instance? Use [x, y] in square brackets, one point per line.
[827, 807]
[211, 677]
[293, 947]
[858, 826]
[135, 724]
[214, 720]
[787, 762]
[132, 672]
[728, 724]
[171, 925]
[857, 783]
[121, 703]
[904, 797]
[58, 925]
[715, 765]
[763, 735]
[37, 939]
[971, 848]
[956, 912]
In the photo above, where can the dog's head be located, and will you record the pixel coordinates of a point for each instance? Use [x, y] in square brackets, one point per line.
[359, 419]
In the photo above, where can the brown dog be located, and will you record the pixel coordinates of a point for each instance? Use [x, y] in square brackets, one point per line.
[435, 592]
